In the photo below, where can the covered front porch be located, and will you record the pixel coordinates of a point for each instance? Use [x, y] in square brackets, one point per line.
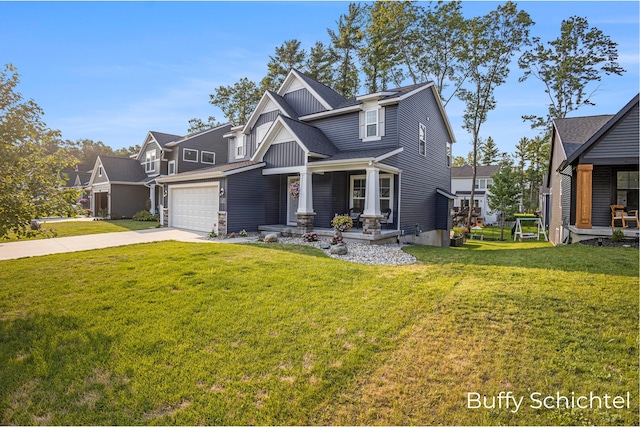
[579, 234]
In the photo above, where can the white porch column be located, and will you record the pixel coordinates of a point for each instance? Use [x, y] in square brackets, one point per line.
[152, 196]
[372, 193]
[305, 200]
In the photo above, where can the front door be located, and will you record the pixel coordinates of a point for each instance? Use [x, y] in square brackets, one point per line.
[292, 201]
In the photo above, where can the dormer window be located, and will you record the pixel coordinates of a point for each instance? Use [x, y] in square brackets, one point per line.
[372, 123]
[239, 146]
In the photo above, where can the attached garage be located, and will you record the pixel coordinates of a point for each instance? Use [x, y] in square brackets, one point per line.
[194, 206]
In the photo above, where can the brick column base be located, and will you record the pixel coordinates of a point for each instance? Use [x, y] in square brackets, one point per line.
[222, 224]
[305, 222]
[371, 224]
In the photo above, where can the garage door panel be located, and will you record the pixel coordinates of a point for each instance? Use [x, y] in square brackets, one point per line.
[194, 208]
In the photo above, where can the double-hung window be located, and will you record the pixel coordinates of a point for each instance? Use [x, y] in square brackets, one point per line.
[372, 123]
[358, 192]
[239, 146]
[150, 161]
[422, 140]
[627, 189]
[208, 157]
[448, 148]
[172, 167]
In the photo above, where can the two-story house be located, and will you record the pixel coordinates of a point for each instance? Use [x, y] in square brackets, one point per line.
[307, 154]
[461, 182]
[120, 187]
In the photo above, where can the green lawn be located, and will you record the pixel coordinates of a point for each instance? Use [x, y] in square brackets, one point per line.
[188, 333]
[81, 228]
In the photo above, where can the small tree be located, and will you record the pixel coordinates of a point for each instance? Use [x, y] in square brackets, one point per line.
[504, 191]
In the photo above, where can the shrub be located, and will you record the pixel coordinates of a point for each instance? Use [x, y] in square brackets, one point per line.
[617, 235]
[310, 237]
[145, 216]
[342, 223]
[213, 233]
[232, 235]
[243, 233]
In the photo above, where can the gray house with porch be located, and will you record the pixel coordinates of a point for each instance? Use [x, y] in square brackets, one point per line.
[593, 168]
[307, 154]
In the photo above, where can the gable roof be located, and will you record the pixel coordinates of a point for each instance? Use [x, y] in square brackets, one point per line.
[310, 138]
[467, 172]
[225, 128]
[330, 96]
[164, 138]
[601, 131]
[269, 97]
[122, 169]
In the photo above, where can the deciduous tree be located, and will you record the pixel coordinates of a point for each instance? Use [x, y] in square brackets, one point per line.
[30, 170]
[567, 66]
[504, 191]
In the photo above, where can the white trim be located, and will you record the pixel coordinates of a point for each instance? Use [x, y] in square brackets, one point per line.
[422, 143]
[336, 112]
[190, 176]
[284, 171]
[293, 74]
[271, 135]
[194, 135]
[197, 184]
[100, 171]
[184, 150]
[203, 152]
[147, 140]
[388, 176]
[389, 154]
[215, 185]
[172, 163]
[261, 108]
[374, 96]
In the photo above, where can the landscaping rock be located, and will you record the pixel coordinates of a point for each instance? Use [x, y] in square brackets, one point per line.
[324, 245]
[271, 238]
[339, 249]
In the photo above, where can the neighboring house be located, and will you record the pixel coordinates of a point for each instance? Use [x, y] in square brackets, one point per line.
[77, 176]
[120, 187]
[593, 165]
[461, 180]
[382, 152]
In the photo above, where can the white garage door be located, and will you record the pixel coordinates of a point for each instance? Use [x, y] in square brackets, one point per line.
[194, 207]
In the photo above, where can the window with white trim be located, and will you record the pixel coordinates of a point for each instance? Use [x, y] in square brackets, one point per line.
[189, 155]
[150, 161]
[422, 139]
[239, 146]
[358, 192]
[448, 148]
[100, 171]
[208, 157]
[171, 169]
[372, 123]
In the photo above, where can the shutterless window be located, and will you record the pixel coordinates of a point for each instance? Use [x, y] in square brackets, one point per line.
[371, 123]
[449, 155]
[422, 139]
[208, 157]
[150, 163]
[627, 189]
[189, 155]
[239, 146]
[172, 167]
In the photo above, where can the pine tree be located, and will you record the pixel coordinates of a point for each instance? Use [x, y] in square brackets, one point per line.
[504, 191]
[287, 56]
[345, 43]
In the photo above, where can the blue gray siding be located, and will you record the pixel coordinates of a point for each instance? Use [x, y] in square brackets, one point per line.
[245, 195]
[602, 197]
[322, 196]
[303, 102]
[567, 194]
[251, 141]
[126, 200]
[421, 175]
[344, 131]
[619, 145]
[284, 155]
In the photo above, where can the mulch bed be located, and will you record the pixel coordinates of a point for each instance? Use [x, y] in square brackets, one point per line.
[607, 241]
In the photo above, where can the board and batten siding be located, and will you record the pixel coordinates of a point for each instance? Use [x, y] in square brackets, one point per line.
[251, 141]
[619, 145]
[284, 155]
[303, 102]
[245, 194]
[601, 199]
[421, 174]
[344, 131]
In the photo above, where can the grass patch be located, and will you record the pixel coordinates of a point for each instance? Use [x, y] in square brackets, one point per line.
[187, 333]
[82, 228]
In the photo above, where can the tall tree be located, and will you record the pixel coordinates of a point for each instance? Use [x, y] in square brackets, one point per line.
[567, 65]
[504, 191]
[30, 171]
[489, 152]
[440, 47]
[346, 42]
[197, 125]
[237, 101]
[287, 56]
[320, 62]
[493, 41]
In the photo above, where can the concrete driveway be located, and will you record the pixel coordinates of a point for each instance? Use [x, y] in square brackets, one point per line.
[29, 248]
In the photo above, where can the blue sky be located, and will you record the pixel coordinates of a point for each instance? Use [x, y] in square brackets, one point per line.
[112, 71]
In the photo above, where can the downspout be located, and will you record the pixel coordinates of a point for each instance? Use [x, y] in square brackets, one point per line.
[399, 198]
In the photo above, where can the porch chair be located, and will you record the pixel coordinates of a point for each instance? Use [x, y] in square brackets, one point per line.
[631, 216]
[619, 214]
[354, 214]
[387, 215]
